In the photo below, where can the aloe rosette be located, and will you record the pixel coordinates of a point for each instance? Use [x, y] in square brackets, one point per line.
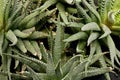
[100, 23]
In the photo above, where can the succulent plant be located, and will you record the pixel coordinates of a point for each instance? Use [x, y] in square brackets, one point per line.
[36, 34]
[17, 29]
[101, 23]
[53, 66]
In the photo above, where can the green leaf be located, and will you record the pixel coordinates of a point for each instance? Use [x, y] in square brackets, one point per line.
[8, 24]
[7, 10]
[44, 52]
[93, 36]
[42, 64]
[1, 41]
[37, 49]
[82, 12]
[92, 10]
[96, 57]
[29, 47]
[38, 35]
[11, 37]
[58, 71]
[5, 45]
[47, 4]
[2, 9]
[16, 64]
[78, 69]
[30, 62]
[62, 13]
[74, 64]
[92, 50]
[116, 5]
[110, 4]
[39, 17]
[50, 70]
[9, 61]
[67, 66]
[91, 26]
[29, 30]
[14, 24]
[102, 60]
[71, 24]
[28, 18]
[81, 46]
[112, 49]
[91, 73]
[21, 46]
[76, 36]
[71, 10]
[33, 74]
[71, 2]
[106, 30]
[21, 34]
[58, 46]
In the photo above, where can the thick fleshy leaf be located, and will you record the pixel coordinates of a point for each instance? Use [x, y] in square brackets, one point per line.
[102, 60]
[106, 30]
[16, 64]
[92, 10]
[81, 46]
[37, 49]
[47, 4]
[11, 37]
[78, 69]
[91, 27]
[76, 36]
[67, 66]
[112, 49]
[39, 17]
[21, 46]
[62, 13]
[44, 52]
[33, 74]
[69, 1]
[92, 50]
[82, 12]
[21, 34]
[2, 9]
[1, 41]
[38, 35]
[93, 36]
[50, 67]
[92, 73]
[58, 71]
[58, 45]
[30, 47]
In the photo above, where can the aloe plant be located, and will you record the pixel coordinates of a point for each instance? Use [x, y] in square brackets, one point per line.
[25, 24]
[50, 68]
[101, 23]
[17, 29]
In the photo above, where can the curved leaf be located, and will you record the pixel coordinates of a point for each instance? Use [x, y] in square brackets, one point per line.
[91, 26]
[76, 36]
[93, 36]
[112, 49]
[106, 30]
[11, 37]
[81, 46]
[21, 34]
